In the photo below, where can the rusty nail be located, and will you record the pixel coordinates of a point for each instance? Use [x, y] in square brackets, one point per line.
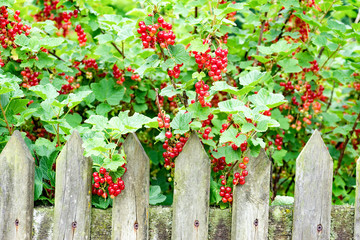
[319, 228]
[256, 222]
[136, 226]
[16, 222]
[196, 223]
[74, 224]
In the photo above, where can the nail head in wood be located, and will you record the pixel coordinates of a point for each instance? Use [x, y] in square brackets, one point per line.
[136, 226]
[16, 222]
[319, 228]
[256, 222]
[196, 223]
[74, 224]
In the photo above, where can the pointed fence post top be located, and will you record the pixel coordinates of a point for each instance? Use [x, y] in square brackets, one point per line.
[74, 139]
[315, 143]
[17, 144]
[132, 141]
[193, 145]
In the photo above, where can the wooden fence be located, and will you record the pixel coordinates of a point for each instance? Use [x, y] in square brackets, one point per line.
[312, 217]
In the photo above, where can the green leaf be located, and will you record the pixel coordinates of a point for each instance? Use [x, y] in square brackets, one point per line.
[47, 91]
[155, 196]
[266, 98]
[104, 38]
[231, 106]
[179, 53]
[151, 62]
[38, 182]
[247, 127]
[252, 78]
[197, 111]
[103, 109]
[181, 122]
[170, 91]
[99, 122]
[43, 147]
[224, 87]
[105, 91]
[198, 46]
[228, 153]
[278, 156]
[230, 136]
[290, 65]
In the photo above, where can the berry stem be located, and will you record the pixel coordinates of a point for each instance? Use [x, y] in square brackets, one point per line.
[158, 106]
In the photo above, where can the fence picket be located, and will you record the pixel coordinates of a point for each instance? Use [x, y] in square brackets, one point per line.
[16, 190]
[250, 212]
[72, 211]
[313, 189]
[191, 192]
[357, 203]
[130, 213]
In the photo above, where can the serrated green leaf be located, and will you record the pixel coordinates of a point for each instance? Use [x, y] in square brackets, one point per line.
[266, 98]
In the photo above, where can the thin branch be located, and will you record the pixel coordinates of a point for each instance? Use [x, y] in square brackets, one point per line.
[347, 139]
[54, 54]
[260, 38]
[118, 49]
[357, 17]
[321, 51]
[6, 121]
[331, 97]
[337, 49]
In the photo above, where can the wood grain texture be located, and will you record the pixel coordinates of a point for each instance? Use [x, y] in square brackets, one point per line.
[72, 211]
[16, 190]
[357, 203]
[313, 189]
[131, 208]
[191, 192]
[251, 201]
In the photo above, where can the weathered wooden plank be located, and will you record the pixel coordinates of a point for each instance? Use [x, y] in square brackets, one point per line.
[313, 189]
[280, 223]
[357, 203]
[250, 212]
[191, 192]
[73, 192]
[131, 208]
[16, 190]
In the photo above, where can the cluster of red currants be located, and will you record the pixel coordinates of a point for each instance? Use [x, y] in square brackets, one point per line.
[239, 177]
[30, 78]
[38, 133]
[103, 180]
[90, 63]
[218, 164]
[206, 133]
[81, 35]
[118, 74]
[165, 123]
[207, 122]
[159, 32]
[216, 65]
[278, 142]
[67, 88]
[8, 33]
[176, 71]
[226, 194]
[173, 149]
[314, 68]
[51, 11]
[243, 146]
[202, 90]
